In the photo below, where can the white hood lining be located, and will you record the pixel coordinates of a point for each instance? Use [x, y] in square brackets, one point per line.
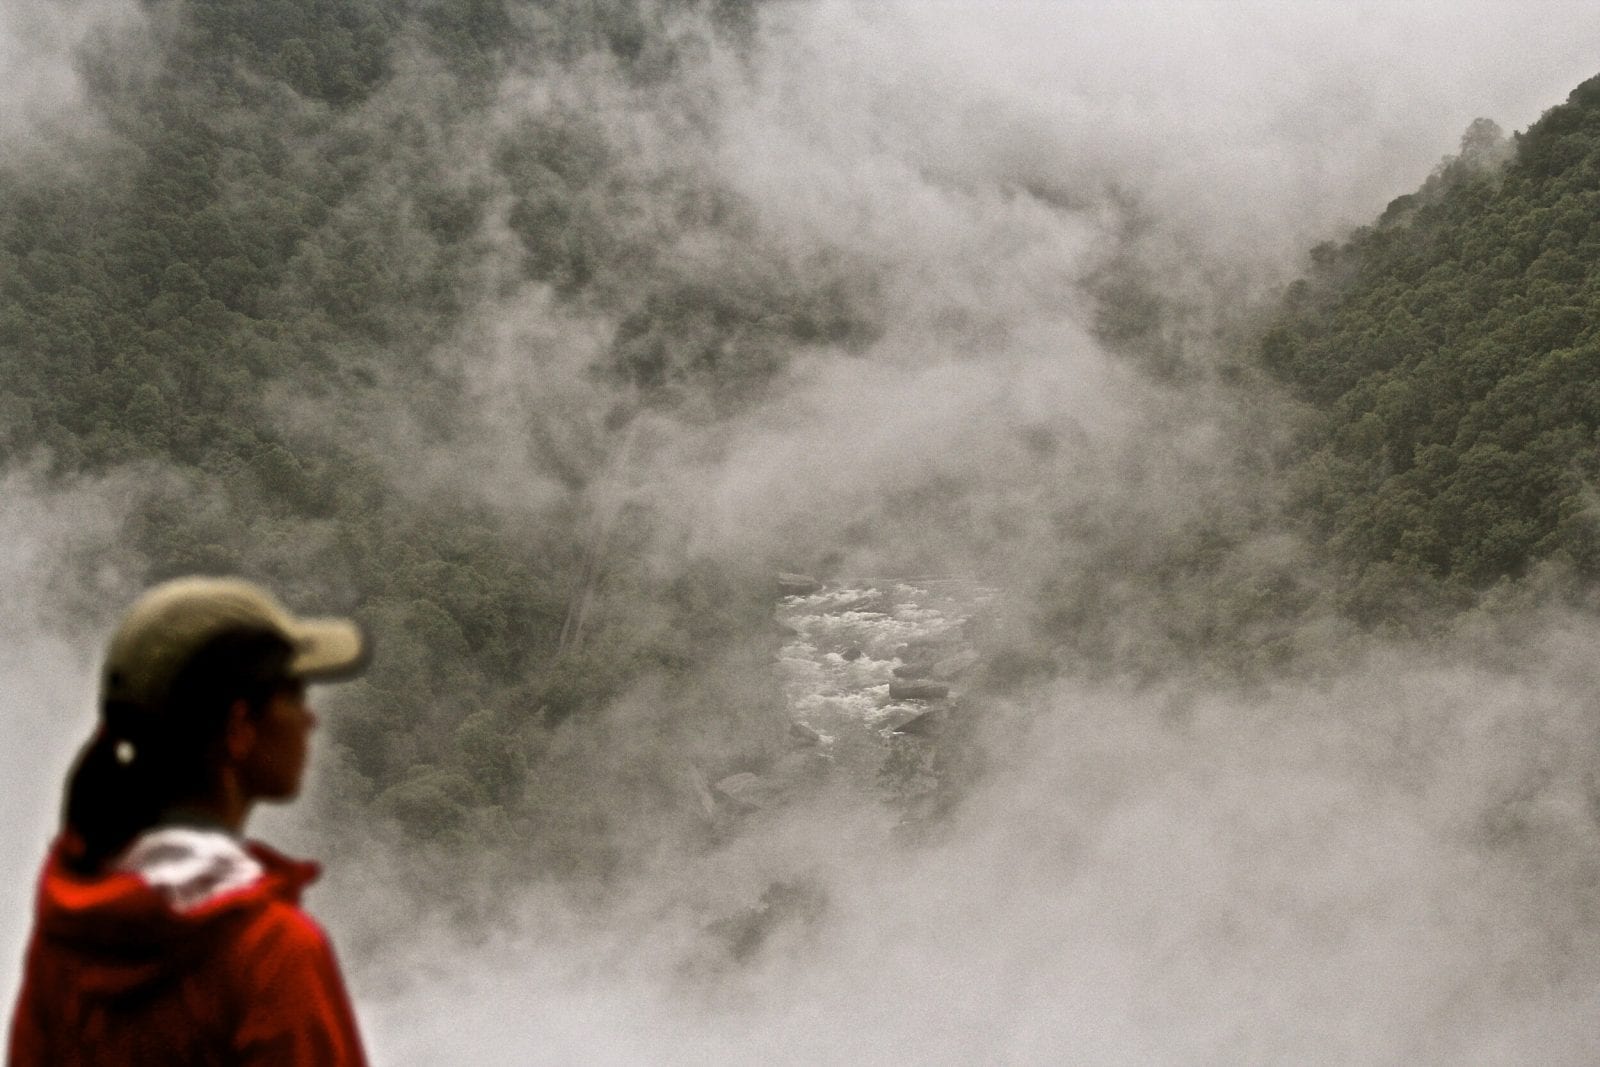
[190, 866]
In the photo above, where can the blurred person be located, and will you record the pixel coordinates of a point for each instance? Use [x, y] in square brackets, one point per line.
[161, 935]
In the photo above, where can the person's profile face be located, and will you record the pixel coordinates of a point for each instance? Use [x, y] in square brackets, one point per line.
[275, 764]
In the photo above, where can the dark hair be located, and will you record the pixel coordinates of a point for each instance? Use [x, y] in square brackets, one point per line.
[142, 761]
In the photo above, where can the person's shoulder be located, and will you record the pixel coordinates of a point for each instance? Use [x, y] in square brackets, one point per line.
[284, 875]
[273, 925]
[276, 941]
[278, 921]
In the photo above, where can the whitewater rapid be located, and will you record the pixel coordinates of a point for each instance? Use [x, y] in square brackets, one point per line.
[846, 642]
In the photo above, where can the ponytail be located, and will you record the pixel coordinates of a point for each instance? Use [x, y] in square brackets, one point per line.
[114, 791]
[142, 762]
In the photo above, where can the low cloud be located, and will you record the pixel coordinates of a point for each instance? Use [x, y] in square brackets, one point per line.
[1156, 869]
[41, 79]
[1397, 863]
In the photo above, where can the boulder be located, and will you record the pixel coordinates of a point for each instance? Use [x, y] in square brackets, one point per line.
[872, 602]
[912, 670]
[918, 690]
[925, 725]
[797, 584]
[803, 735]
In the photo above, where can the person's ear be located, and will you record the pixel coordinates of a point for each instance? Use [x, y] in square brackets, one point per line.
[240, 735]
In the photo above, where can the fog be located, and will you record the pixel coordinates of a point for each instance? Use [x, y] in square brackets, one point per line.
[39, 75]
[1371, 853]
[49, 661]
[1398, 866]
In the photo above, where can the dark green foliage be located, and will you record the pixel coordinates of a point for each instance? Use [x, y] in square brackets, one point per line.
[331, 50]
[1452, 353]
[730, 340]
[241, 294]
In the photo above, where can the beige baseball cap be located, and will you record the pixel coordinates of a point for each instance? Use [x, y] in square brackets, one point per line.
[174, 620]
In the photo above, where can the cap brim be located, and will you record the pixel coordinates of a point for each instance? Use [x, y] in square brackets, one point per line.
[327, 649]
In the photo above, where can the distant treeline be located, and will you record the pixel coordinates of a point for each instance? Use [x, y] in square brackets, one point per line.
[1451, 355]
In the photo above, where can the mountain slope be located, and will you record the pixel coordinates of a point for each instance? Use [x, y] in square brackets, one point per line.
[246, 284]
[1451, 353]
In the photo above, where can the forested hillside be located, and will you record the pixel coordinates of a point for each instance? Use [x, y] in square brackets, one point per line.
[378, 302]
[249, 282]
[1451, 356]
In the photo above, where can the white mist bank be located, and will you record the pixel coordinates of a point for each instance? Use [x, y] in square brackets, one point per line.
[1398, 864]
[1391, 864]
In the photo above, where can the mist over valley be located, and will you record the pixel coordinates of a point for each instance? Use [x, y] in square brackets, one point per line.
[893, 533]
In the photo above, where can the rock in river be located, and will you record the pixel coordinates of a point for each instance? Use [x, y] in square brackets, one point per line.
[918, 690]
[802, 734]
[797, 584]
[925, 725]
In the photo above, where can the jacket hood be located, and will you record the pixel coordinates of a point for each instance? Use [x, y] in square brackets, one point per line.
[165, 901]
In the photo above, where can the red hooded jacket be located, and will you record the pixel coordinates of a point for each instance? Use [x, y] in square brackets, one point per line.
[194, 951]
